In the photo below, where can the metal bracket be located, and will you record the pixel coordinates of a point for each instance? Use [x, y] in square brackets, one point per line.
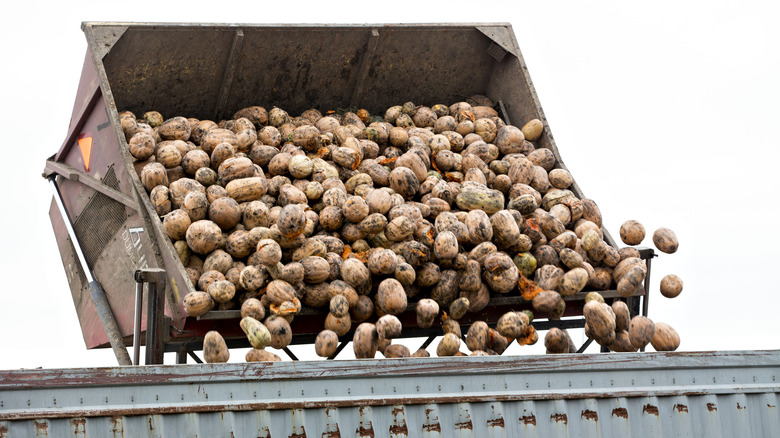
[585, 346]
[73, 174]
[338, 349]
[501, 36]
[427, 342]
[103, 38]
[290, 353]
[183, 352]
[150, 275]
[194, 356]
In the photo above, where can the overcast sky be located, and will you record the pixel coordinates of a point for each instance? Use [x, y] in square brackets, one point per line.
[666, 113]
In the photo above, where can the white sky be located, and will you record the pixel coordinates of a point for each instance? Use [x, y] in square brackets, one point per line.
[664, 112]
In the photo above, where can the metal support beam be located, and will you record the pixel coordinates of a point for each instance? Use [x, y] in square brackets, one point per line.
[74, 174]
[646, 299]
[585, 345]
[155, 313]
[338, 349]
[427, 342]
[139, 299]
[181, 355]
[194, 356]
[289, 353]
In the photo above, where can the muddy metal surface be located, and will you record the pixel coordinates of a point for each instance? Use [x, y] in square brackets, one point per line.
[650, 394]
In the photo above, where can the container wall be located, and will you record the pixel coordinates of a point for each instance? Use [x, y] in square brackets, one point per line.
[212, 71]
[744, 415]
[655, 394]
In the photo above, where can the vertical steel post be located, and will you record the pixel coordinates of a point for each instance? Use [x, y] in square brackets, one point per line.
[181, 354]
[95, 289]
[151, 323]
[646, 299]
[155, 308]
[139, 299]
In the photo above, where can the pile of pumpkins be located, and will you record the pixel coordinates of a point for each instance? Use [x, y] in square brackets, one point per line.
[433, 208]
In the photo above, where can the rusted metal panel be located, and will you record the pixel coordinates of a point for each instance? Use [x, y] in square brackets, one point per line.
[652, 394]
[646, 416]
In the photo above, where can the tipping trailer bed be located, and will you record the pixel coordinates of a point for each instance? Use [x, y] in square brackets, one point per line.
[209, 71]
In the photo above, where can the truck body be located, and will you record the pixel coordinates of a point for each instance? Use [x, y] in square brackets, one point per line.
[704, 394]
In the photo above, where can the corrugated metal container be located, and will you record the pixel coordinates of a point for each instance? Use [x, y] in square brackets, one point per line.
[209, 72]
[708, 394]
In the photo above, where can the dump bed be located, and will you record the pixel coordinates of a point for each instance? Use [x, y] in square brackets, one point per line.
[209, 72]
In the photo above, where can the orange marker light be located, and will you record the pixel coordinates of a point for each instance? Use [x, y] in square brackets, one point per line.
[85, 144]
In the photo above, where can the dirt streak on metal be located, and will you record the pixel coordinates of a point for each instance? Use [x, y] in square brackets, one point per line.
[42, 428]
[267, 433]
[116, 423]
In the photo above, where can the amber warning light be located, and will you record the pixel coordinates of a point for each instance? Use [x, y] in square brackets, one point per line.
[85, 144]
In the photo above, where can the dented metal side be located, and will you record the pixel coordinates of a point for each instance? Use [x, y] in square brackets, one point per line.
[652, 394]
